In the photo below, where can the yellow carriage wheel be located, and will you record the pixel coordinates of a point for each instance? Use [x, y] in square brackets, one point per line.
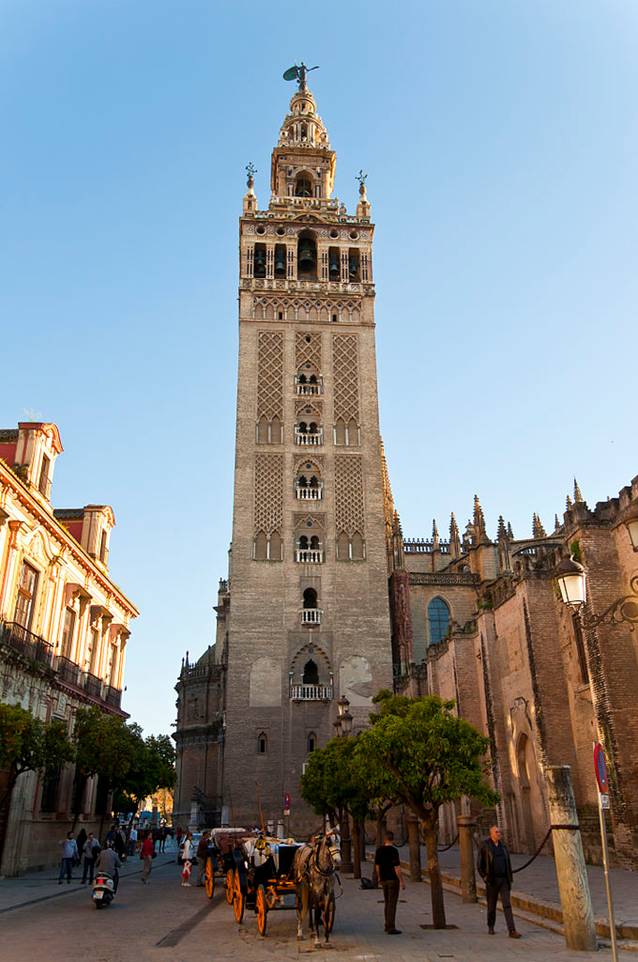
[239, 900]
[229, 886]
[262, 910]
[209, 878]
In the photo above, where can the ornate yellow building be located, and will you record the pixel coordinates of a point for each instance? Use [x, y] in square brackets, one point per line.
[64, 627]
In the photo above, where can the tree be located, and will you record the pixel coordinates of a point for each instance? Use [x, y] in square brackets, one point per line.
[28, 744]
[432, 756]
[153, 768]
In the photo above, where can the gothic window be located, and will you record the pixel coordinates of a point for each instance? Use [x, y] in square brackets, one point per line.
[310, 673]
[275, 431]
[261, 547]
[262, 743]
[311, 742]
[275, 547]
[357, 547]
[438, 620]
[343, 547]
[340, 431]
[25, 601]
[260, 260]
[262, 430]
[352, 435]
[310, 598]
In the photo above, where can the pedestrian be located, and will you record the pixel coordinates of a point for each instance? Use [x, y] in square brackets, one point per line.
[90, 852]
[163, 834]
[202, 855]
[186, 853]
[387, 867]
[80, 840]
[132, 840]
[495, 868]
[146, 854]
[119, 844]
[70, 856]
[108, 861]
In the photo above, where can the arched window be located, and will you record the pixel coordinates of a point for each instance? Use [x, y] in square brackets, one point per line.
[343, 547]
[262, 743]
[340, 431]
[275, 546]
[275, 430]
[438, 619]
[261, 548]
[310, 598]
[311, 742]
[357, 547]
[353, 432]
[310, 673]
[303, 542]
[307, 256]
[303, 186]
[315, 544]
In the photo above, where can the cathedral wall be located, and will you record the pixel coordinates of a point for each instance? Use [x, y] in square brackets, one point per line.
[461, 601]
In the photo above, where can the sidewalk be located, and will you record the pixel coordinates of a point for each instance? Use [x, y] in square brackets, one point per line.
[41, 886]
[535, 889]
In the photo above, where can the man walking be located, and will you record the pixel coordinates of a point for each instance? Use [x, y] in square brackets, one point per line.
[108, 861]
[69, 856]
[90, 852]
[495, 868]
[146, 854]
[387, 868]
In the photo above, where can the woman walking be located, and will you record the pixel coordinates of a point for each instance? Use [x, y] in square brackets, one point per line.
[187, 860]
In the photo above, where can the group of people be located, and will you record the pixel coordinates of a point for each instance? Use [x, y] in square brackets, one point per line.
[494, 866]
[188, 855]
[109, 858]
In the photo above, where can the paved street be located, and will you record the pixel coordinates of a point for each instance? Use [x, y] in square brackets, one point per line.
[163, 921]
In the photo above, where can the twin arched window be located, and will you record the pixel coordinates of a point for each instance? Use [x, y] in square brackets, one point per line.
[438, 620]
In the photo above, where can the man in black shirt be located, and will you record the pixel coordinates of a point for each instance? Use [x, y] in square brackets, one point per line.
[495, 869]
[387, 868]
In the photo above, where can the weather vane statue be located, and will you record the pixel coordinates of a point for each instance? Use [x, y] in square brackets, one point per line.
[298, 73]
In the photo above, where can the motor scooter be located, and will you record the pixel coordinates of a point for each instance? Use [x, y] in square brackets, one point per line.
[103, 890]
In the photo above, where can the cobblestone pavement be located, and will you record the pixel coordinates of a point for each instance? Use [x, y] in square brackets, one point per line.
[162, 922]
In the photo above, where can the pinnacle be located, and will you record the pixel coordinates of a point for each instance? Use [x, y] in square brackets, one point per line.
[538, 530]
[568, 503]
[502, 533]
[577, 492]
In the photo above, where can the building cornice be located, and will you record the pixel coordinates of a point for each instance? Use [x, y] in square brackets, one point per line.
[57, 530]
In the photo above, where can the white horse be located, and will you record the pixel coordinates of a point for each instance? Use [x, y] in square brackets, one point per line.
[314, 868]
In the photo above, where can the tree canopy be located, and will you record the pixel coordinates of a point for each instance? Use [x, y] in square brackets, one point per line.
[29, 744]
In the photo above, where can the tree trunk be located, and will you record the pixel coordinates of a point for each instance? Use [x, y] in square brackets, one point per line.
[381, 825]
[434, 872]
[356, 848]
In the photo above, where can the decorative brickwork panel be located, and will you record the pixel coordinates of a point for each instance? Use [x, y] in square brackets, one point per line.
[349, 508]
[346, 376]
[308, 350]
[270, 375]
[269, 492]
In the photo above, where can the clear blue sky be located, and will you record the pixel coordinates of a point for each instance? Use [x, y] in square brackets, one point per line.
[501, 143]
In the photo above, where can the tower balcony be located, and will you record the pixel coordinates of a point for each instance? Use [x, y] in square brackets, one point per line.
[311, 616]
[308, 439]
[313, 556]
[305, 492]
[311, 692]
[306, 388]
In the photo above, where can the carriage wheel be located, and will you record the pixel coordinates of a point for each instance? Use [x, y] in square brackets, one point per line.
[329, 918]
[228, 885]
[209, 878]
[262, 910]
[239, 900]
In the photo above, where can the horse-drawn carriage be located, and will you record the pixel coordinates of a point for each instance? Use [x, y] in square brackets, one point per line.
[270, 873]
[224, 853]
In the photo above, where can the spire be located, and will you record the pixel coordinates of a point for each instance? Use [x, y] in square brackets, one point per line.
[455, 541]
[538, 530]
[510, 533]
[250, 201]
[502, 532]
[577, 494]
[556, 523]
[397, 524]
[479, 521]
[303, 164]
[364, 206]
[568, 503]
[435, 535]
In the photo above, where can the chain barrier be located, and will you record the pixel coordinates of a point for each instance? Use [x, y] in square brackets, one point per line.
[446, 848]
[536, 853]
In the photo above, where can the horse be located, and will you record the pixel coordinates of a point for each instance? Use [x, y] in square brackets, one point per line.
[314, 867]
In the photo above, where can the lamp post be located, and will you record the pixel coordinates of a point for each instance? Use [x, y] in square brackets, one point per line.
[572, 583]
[343, 728]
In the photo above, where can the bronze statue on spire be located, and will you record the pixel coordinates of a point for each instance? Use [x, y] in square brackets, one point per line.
[298, 72]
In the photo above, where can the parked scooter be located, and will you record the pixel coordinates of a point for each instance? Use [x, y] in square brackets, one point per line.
[103, 890]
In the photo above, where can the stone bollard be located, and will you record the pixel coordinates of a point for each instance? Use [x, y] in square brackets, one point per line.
[466, 826]
[571, 873]
[414, 844]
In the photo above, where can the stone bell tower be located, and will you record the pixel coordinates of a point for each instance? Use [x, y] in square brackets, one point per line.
[309, 617]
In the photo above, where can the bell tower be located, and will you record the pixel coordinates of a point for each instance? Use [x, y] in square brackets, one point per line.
[309, 619]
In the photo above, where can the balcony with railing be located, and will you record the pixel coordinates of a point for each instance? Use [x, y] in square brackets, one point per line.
[309, 437]
[68, 671]
[313, 556]
[25, 643]
[311, 616]
[309, 492]
[311, 692]
[92, 685]
[112, 696]
[306, 387]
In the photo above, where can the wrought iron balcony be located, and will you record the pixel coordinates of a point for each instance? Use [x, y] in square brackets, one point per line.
[313, 556]
[311, 692]
[68, 671]
[92, 684]
[307, 438]
[112, 696]
[306, 492]
[311, 616]
[23, 641]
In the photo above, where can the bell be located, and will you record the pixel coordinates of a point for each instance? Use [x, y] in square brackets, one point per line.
[280, 261]
[307, 255]
[353, 266]
[334, 267]
[260, 260]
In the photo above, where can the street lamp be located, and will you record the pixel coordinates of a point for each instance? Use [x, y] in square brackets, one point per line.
[630, 520]
[572, 583]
